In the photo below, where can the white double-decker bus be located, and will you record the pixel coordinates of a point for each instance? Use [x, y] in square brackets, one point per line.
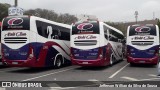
[29, 41]
[95, 43]
[143, 44]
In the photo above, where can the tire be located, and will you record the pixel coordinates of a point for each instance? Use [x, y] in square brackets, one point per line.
[122, 57]
[58, 62]
[132, 64]
[111, 61]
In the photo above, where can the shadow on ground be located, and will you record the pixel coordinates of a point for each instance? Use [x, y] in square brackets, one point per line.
[96, 68]
[143, 65]
[3, 67]
[35, 70]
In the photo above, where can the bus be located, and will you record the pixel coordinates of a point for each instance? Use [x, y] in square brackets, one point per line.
[94, 43]
[29, 41]
[142, 44]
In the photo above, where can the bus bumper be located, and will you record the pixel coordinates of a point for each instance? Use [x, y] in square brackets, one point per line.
[153, 60]
[21, 63]
[96, 62]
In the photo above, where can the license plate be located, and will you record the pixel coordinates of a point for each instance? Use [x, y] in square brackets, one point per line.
[141, 61]
[85, 62]
[14, 62]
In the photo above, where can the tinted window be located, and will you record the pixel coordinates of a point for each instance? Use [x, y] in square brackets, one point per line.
[115, 36]
[142, 30]
[16, 23]
[85, 28]
[53, 31]
[105, 32]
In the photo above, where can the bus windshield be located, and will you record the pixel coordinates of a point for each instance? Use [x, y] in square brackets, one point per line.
[85, 28]
[142, 30]
[16, 23]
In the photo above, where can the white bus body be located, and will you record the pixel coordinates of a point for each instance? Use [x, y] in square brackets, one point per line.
[29, 41]
[95, 43]
[142, 44]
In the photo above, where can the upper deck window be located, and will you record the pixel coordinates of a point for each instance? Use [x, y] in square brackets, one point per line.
[142, 30]
[86, 28]
[16, 23]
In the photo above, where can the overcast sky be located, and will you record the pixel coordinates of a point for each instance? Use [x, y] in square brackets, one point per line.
[105, 10]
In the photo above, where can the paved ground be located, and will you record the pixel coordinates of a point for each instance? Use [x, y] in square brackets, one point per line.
[77, 77]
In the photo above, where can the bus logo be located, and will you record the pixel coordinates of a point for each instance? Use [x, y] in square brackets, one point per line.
[86, 37]
[15, 21]
[84, 26]
[142, 29]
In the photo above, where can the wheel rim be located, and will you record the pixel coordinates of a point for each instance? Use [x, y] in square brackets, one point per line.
[111, 61]
[58, 63]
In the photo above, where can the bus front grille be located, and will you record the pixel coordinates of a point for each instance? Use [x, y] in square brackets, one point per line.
[15, 40]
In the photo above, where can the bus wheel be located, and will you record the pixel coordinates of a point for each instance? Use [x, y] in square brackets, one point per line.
[111, 61]
[132, 64]
[122, 57]
[58, 62]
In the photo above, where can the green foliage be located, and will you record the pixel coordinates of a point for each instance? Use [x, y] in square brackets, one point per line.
[43, 13]
[120, 26]
[158, 23]
[3, 10]
[51, 15]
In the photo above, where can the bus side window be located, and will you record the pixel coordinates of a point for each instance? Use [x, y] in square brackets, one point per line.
[56, 34]
[49, 31]
[119, 40]
[64, 34]
[105, 32]
[110, 35]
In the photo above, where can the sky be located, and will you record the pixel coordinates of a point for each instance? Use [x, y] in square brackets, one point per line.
[104, 10]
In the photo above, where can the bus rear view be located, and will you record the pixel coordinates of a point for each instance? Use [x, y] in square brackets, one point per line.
[143, 44]
[15, 39]
[85, 45]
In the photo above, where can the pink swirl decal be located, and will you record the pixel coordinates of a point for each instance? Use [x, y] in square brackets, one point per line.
[84, 26]
[142, 29]
[15, 21]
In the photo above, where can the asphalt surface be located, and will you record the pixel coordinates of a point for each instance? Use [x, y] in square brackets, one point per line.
[82, 78]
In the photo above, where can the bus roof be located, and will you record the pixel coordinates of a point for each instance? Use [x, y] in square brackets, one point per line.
[96, 21]
[87, 21]
[42, 19]
[53, 22]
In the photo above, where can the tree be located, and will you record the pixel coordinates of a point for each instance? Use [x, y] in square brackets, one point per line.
[120, 26]
[67, 18]
[4, 10]
[52, 15]
[43, 13]
[158, 23]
